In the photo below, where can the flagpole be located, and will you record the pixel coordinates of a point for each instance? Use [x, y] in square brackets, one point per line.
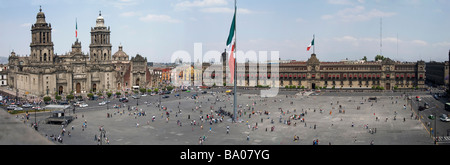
[235, 66]
[314, 45]
[76, 29]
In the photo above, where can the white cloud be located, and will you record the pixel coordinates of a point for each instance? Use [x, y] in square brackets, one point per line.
[124, 3]
[25, 25]
[299, 20]
[225, 10]
[158, 18]
[130, 14]
[356, 14]
[419, 42]
[340, 2]
[186, 5]
[344, 2]
[346, 38]
[442, 44]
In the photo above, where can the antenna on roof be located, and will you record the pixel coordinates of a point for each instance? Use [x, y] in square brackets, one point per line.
[381, 36]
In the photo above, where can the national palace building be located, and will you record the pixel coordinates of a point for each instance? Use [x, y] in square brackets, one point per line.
[314, 74]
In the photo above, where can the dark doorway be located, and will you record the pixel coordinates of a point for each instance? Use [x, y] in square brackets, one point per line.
[61, 89]
[78, 88]
[388, 86]
[313, 85]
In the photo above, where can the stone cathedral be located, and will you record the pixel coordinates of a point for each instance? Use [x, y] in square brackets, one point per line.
[45, 73]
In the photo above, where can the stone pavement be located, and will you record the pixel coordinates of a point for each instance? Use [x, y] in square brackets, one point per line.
[15, 132]
[328, 126]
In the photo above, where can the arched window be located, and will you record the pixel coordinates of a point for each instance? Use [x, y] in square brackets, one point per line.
[104, 56]
[45, 56]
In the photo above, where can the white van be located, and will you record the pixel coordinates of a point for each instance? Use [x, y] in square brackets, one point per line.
[444, 118]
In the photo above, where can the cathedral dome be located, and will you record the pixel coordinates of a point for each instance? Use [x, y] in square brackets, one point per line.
[120, 54]
[100, 21]
[40, 17]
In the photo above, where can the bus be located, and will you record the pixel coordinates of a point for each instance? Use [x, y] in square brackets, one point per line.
[447, 106]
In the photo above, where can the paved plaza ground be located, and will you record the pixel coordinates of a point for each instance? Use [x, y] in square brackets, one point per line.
[324, 120]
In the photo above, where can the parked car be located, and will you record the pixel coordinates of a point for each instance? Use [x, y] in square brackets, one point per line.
[135, 97]
[83, 105]
[144, 95]
[436, 97]
[102, 103]
[26, 105]
[18, 108]
[11, 107]
[63, 103]
[444, 118]
[37, 108]
[421, 108]
[122, 99]
[165, 96]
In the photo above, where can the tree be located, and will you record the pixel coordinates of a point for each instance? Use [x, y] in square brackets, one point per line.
[379, 57]
[90, 95]
[47, 98]
[156, 90]
[58, 97]
[109, 94]
[169, 88]
[142, 90]
[118, 93]
[70, 97]
[365, 58]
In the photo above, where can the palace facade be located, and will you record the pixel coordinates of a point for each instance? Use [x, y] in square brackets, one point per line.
[314, 74]
[45, 73]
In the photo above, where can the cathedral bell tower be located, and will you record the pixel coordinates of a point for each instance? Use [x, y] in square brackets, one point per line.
[41, 40]
[100, 47]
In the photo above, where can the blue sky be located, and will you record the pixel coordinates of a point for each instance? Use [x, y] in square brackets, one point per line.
[158, 28]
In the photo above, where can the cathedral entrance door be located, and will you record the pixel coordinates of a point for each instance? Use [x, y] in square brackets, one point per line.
[313, 86]
[61, 89]
[78, 88]
[94, 88]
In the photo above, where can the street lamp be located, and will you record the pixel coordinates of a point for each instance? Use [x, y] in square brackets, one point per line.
[435, 128]
[102, 133]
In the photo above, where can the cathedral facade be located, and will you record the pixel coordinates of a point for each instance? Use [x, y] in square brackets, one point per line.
[45, 73]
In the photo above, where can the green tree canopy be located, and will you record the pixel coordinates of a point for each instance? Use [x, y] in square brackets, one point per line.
[379, 57]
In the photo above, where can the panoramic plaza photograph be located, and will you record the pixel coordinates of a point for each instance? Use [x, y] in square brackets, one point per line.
[224, 72]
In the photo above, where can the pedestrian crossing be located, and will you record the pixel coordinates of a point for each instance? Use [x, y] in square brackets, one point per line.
[443, 138]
